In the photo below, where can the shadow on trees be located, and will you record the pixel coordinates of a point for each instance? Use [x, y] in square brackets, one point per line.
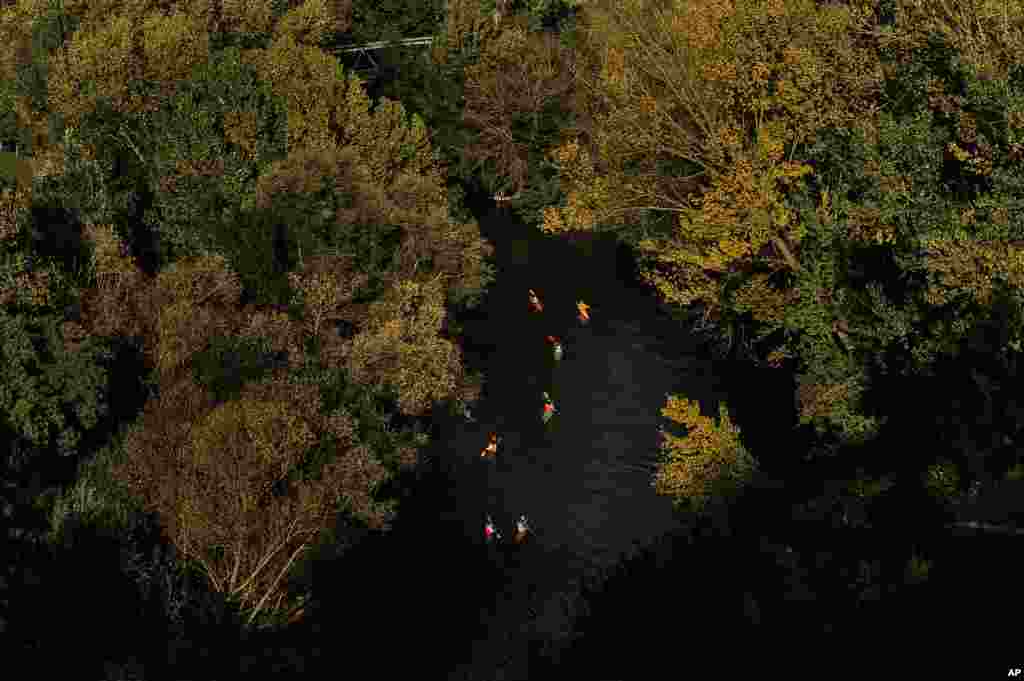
[119, 601]
[969, 408]
[409, 599]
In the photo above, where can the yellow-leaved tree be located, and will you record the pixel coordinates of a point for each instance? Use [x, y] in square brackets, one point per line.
[693, 118]
[694, 110]
[400, 347]
[708, 464]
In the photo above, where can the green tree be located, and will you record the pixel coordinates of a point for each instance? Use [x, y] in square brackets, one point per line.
[52, 394]
[31, 32]
[211, 140]
[912, 225]
[94, 499]
[394, 19]
[551, 15]
[55, 386]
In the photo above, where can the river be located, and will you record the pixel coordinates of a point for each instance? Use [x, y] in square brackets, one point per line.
[585, 481]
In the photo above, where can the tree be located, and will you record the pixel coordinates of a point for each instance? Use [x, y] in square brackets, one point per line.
[215, 136]
[765, 233]
[175, 315]
[551, 15]
[515, 82]
[54, 389]
[130, 69]
[125, 63]
[190, 301]
[229, 485]
[670, 127]
[325, 289]
[366, 191]
[707, 465]
[395, 19]
[400, 347]
[171, 113]
[30, 33]
[244, 468]
[916, 217]
[666, 109]
[114, 304]
[519, 84]
[55, 378]
[313, 22]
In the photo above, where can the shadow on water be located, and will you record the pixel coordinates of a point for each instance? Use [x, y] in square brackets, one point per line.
[585, 480]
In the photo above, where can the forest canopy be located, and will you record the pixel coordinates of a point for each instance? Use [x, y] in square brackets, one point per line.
[803, 157]
[223, 184]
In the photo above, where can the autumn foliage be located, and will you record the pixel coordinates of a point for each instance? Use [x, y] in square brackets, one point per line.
[280, 203]
[708, 464]
[519, 77]
[400, 347]
[226, 479]
[759, 154]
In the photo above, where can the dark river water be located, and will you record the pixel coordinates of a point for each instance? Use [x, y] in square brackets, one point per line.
[585, 480]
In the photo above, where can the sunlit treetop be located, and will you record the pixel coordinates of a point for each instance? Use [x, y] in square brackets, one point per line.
[707, 463]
